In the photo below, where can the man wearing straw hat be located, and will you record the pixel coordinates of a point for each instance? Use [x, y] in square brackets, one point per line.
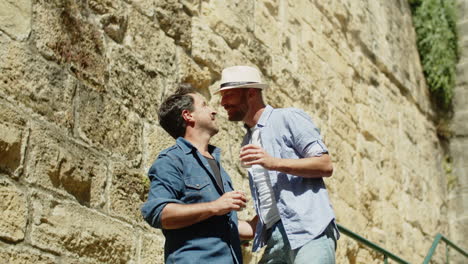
[286, 160]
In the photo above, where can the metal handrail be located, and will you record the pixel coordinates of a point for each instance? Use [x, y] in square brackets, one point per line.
[437, 239]
[387, 254]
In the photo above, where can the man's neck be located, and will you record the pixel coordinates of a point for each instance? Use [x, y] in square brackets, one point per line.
[253, 117]
[199, 141]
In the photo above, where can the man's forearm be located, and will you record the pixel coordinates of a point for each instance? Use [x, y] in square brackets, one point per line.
[175, 216]
[313, 167]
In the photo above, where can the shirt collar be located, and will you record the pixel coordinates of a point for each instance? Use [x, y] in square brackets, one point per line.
[187, 147]
[262, 121]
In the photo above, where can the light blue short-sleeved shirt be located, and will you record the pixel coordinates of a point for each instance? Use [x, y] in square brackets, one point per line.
[303, 203]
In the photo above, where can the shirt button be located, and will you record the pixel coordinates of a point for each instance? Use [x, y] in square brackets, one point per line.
[198, 185]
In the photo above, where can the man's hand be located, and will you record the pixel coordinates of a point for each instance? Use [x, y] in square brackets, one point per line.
[176, 216]
[310, 167]
[255, 155]
[234, 200]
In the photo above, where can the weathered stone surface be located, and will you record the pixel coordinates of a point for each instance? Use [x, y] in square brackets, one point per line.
[152, 247]
[155, 140]
[13, 211]
[61, 165]
[150, 45]
[40, 85]
[145, 7]
[133, 84]
[78, 116]
[108, 124]
[190, 72]
[174, 21]
[23, 255]
[62, 227]
[64, 32]
[129, 189]
[342, 124]
[459, 124]
[10, 147]
[207, 47]
[15, 18]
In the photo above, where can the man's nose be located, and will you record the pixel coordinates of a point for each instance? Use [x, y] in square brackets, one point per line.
[223, 101]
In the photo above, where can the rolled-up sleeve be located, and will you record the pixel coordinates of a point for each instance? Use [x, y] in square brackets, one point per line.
[306, 136]
[166, 187]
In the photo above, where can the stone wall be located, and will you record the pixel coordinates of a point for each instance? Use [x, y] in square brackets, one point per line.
[81, 81]
[458, 179]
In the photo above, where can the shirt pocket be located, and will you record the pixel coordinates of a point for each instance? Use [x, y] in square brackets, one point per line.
[197, 190]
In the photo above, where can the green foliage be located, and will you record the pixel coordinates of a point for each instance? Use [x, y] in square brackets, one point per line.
[435, 25]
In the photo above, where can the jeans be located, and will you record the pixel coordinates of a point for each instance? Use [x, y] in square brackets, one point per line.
[320, 250]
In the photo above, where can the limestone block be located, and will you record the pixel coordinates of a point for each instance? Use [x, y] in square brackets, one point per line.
[155, 140]
[137, 87]
[128, 192]
[340, 96]
[345, 186]
[345, 159]
[150, 45]
[461, 176]
[107, 123]
[15, 18]
[13, 211]
[174, 21]
[235, 17]
[350, 217]
[64, 33]
[104, 6]
[211, 50]
[462, 28]
[10, 147]
[59, 164]
[462, 73]
[145, 7]
[190, 72]
[460, 99]
[152, 247]
[327, 53]
[233, 21]
[257, 53]
[372, 182]
[9, 113]
[462, 50]
[113, 18]
[24, 255]
[389, 227]
[342, 124]
[40, 85]
[268, 21]
[68, 228]
[415, 252]
[371, 125]
[460, 123]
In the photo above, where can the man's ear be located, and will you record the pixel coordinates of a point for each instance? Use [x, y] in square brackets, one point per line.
[187, 115]
[251, 92]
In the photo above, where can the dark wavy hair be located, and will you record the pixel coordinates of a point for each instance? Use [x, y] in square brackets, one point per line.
[170, 111]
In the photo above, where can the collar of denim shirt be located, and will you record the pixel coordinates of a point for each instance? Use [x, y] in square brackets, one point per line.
[187, 147]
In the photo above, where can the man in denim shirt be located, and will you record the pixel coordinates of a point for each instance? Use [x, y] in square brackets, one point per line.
[191, 197]
[286, 162]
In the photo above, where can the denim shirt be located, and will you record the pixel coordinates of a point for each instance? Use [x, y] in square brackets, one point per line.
[303, 203]
[182, 175]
